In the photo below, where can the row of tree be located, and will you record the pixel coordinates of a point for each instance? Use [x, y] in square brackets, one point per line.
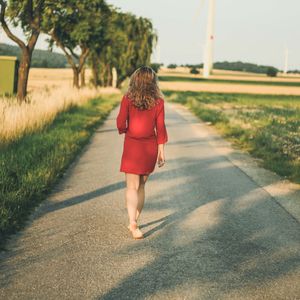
[87, 31]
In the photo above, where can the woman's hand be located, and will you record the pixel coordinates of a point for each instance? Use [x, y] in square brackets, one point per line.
[161, 155]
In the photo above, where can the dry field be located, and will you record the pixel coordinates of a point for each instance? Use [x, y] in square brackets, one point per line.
[223, 87]
[234, 75]
[42, 78]
[229, 88]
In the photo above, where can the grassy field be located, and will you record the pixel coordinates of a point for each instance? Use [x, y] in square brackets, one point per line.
[266, 126]
[31, 164]
[222, 81]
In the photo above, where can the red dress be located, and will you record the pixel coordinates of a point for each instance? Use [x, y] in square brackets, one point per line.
[144, 130]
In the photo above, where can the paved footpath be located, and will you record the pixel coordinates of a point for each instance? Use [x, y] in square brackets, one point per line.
[210, 231]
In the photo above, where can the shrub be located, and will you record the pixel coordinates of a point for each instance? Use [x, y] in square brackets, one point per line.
[272, 72]
[194, 71]
[155, 67]
[172, 66]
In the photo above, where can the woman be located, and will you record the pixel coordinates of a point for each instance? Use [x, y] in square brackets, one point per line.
[141, 118]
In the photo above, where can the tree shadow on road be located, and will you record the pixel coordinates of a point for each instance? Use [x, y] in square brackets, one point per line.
[215, 240]
[228, 240]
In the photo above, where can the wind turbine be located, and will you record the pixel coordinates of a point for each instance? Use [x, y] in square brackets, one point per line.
[208, 52]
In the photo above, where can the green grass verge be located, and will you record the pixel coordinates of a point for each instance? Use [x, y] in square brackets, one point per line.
[268, 127]
[230, 81]
[34, 163]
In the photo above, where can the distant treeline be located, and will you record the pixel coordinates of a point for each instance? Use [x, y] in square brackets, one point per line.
[241, 66]
[294, 71]
[236, 66]
[40, 58]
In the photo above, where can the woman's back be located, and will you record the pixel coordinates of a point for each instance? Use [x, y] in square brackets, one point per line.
[142, 124]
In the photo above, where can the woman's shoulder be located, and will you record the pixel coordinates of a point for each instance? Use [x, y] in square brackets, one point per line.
[126, 99]
[160, 102]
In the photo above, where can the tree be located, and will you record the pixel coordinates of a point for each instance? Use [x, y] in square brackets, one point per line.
[272, 72]
[155, 67]
[172, 66]
[73, 27]
[101, 50]
[27, 14]
[127, 44]
[194, 71]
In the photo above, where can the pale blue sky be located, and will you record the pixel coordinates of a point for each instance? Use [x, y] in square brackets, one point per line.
[252, 31]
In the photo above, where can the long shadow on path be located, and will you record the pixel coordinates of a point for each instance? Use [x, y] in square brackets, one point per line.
[226, 240]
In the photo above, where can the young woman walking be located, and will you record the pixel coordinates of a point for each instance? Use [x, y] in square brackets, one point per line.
[142, 119]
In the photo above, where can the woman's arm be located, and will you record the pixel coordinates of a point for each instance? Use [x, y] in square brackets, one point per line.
[122, 118]
[161, 131]
[162, 135]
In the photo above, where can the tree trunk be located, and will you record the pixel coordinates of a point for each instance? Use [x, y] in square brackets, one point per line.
[109, 76]
[119, 81]
[23, 74]
[102, 75]
[82, 77]
[26, 50]
[95, 70]
[114, 77]
[75, 77]
[84, 54]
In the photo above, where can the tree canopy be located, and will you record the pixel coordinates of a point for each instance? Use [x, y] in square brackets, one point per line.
[87, 29]
[127, 44]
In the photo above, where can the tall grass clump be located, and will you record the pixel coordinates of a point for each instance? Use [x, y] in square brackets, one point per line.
[41, 107]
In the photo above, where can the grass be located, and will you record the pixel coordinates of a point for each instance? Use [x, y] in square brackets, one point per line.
[41, 108]
[230, 81]
[266, 126]
[33, 163]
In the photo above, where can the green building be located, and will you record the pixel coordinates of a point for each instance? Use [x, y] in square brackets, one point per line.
[8, 75]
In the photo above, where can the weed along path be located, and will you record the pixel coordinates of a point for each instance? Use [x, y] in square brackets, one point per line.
[211, 231]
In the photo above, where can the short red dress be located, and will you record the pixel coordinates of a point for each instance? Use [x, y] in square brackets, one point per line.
[144, 130]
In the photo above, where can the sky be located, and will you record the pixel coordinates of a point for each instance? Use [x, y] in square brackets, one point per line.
[256, 31]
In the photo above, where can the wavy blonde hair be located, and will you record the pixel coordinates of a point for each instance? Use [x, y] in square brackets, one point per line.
[143, 88]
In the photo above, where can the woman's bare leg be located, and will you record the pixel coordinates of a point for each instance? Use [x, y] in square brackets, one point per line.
[132, 186]
[141, 194]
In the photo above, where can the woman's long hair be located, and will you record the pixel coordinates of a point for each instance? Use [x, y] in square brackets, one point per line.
[143, 88]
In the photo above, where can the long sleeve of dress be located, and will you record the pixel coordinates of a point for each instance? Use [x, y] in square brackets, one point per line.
[122, 118]
[161, 131]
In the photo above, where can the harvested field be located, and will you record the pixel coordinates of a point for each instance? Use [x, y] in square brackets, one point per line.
[230, 88]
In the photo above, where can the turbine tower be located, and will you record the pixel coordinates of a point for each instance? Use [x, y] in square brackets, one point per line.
[208, 52]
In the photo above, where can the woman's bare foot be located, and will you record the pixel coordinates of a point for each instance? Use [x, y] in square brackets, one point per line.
[136, 232]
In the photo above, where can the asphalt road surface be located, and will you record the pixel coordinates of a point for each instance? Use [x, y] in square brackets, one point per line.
[210, 231]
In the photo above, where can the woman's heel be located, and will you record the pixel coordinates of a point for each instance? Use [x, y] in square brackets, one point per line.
[135, 231]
